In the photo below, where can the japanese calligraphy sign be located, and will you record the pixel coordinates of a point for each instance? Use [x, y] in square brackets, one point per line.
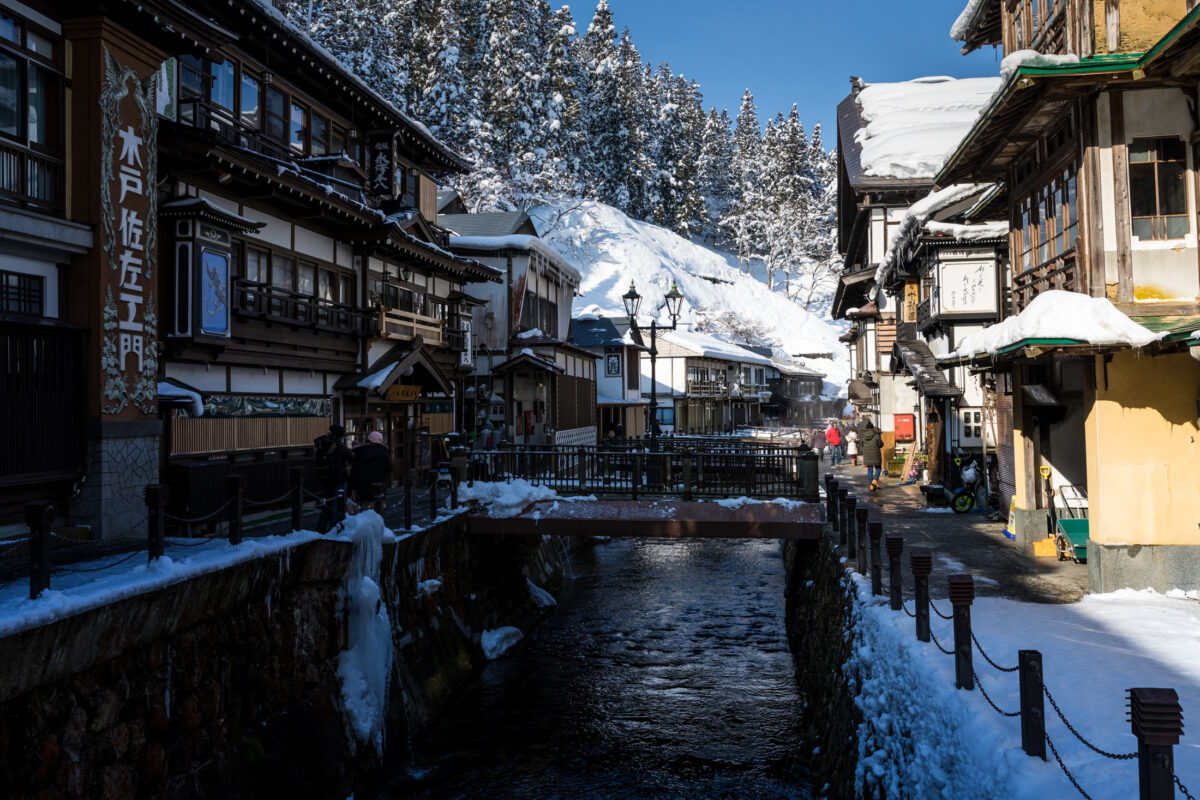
[128, 240]
[381, 162]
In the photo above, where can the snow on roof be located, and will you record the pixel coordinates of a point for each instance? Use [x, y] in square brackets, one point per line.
[916, 216]
[169, 391]
[518, 241]
[712, 347]
[376, 378]
[1032, 58]
[968, 233]
[962, 25]
[535, 333]
[1057, 314]
[911, 128]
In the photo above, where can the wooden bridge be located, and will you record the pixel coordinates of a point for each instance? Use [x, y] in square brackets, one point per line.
[675, 519]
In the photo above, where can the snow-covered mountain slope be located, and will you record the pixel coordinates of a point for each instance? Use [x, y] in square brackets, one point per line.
[610, 249]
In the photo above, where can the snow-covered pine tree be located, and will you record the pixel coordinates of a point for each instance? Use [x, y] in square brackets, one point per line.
[445, 103]
[601, 118]
[713, 170]
[563, 143]
[634, 168]
[743, 225]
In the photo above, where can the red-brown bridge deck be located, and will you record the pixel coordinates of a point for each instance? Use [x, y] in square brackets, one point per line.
[675, 519]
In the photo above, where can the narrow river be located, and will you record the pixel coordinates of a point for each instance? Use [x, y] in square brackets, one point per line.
[663, 673]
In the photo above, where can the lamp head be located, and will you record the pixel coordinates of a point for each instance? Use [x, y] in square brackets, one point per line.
[633, 301]
[674, 300]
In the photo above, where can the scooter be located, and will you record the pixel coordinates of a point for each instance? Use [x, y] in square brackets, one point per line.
[964, 500]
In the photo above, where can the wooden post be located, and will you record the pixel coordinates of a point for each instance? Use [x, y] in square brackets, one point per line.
[830, 497]
[843, 493]
[380, 502]
[861, 534]
[635, 473]
[962, 594]
[296, 478]
[850, 537]
[1157, 721]
[689, 468]
[921, 563]
[38, 514]
[581, 454]
[433, 504]
[1033, 704]
[156, 504]
[1112, 25]
[339, 508]
[875, 529]
[895, 546]
[408, 499]
[234, 485]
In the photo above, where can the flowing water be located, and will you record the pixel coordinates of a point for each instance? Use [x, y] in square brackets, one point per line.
[663, 673]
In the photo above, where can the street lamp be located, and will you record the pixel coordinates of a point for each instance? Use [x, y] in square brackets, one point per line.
[633, 302]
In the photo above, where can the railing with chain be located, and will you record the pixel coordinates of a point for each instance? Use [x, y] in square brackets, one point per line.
[1155, 716]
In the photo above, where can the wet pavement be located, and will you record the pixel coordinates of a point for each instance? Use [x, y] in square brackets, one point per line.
[964, 543]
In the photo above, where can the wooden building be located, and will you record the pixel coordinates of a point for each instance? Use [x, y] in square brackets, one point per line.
[620, 407]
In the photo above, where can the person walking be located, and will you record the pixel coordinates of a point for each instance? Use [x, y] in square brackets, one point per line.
[372, 465]
[870, 444]
[333, 459]
[818, 442]
[851, 442]
[834, 437]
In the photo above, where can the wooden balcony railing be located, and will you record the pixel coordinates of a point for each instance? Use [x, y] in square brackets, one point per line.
[396, 324]
[708, 388]
[455, 341]
[31, 179]
[263, 301]
[203, 114]
[925, 313]
[1059, 273]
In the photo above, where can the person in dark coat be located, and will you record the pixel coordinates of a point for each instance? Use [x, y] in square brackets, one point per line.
[332, 461]
[372, 465]
[870, 446]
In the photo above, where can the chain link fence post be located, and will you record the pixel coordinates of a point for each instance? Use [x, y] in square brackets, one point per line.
[1033, 704]
[895, 546]
[921, 563]
[962, 594]
[156, 508]
[234, 484]
[875, 531]
[38, 514]
[1157, 721]
[296, 480]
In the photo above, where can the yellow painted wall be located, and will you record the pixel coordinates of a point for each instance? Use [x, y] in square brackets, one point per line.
[1143, 451]
[1142, 23]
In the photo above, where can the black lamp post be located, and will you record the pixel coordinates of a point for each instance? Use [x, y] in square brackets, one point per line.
[633, 301]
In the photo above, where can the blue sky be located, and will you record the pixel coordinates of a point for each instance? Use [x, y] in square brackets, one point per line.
[795, 51]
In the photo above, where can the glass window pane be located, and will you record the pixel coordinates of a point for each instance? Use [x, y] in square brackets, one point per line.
[43, 107]
[320, 130]
[305, 278]
[1170, 150]
[190, 83]
[39, 44]
[256, 265]
[283, 272]
[250, 101]
[10, 29]
[337, 143]
[348, 295]
[1140, 150]
[10, 95]
[1143, 228]
[325, 285]
[1141, 190]
[275, 120]
[222, 83]
[299, 127]
[1172, 188]
[1177, 227]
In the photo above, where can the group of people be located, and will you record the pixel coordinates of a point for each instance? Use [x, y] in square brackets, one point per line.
[356, 472]
[842, 442]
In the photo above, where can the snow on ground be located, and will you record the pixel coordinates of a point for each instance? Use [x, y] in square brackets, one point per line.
[611, 249]
[953, 744]
[738, 502]
[505, 499]
[1058, 314]
[499, 641]
[912, 127]
[541, 598]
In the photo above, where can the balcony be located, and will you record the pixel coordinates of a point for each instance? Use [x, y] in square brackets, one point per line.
[925, 313]
[205, 115]
[405, 325]
[1059, 273]
[263, 301]
[33, 180]
[707, 388]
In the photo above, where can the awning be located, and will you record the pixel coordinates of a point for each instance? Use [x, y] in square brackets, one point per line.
[852, 290]
[921, 362]
[402, 361]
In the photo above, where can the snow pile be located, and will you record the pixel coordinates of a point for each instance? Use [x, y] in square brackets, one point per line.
[499, 641]
[506, 499]
[738, 502]
[968, 233]
[1032, 58]
[169, 391]
[962, 25]
[713, 347]
[535, 333]
[540, 597]
[611, 249]
[954, 744]
[916, 217]
[1057, 314]
[365, 666]
[911, 128]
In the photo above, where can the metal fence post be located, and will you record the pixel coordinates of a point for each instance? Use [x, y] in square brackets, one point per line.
[339, 507]
[156, 504]
[860, 532]
[843, 492]
[689, 467]
[635, 473]
[921, 563]
[408, 499]
[1033, 704]
[581, 454]
[380, 502]
[875, 530]
[895, 546]
[234, 485]
[296, 479]
[750, 467]
[850, 536]
[38, 514]
[1157, 721]
[962, 594]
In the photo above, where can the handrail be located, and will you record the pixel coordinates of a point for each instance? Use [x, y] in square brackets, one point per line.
[397, 324]
[31, 178]
[262, 300]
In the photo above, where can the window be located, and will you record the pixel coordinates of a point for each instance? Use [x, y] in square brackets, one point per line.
[43, 107]
[299, 127]
[251, 101]
[320, 135]
[348, 294]
[256, 266]
[1047, 221]
[337, 140]
[1157, 189]
[283, 272]
[30, 87]
[276, 123]
[22, 294]
[666, 415]
[191, 87]
[306, 280]
[326, 286]
[222, 76]
[10, 91]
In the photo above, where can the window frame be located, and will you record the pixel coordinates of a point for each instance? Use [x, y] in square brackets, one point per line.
[1159, 220]
[17, 295]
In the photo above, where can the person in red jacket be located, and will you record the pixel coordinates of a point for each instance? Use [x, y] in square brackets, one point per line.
[834, 437]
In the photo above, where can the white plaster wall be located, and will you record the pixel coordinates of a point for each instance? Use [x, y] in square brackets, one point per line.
[198, 376]
[297, 382]
[275, 231]
[253, 380]
[314, 244]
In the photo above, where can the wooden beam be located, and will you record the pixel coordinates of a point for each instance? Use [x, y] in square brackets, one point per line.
[1112, 25]
[1092, 254]
[1124, 230]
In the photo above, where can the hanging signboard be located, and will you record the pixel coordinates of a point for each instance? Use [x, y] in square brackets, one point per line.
[381, 162]
[400, 393]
